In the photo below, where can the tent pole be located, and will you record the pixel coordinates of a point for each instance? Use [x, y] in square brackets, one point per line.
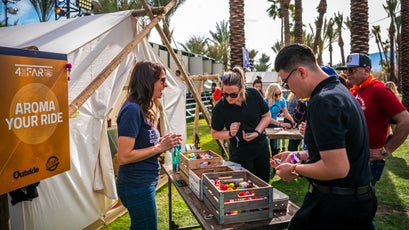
[198, 99]
[196, 121]
[4, 212]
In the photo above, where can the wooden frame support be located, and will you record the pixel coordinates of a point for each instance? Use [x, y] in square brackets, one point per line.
[196, 96]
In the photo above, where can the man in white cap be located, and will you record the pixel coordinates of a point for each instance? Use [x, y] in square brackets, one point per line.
[380, 107]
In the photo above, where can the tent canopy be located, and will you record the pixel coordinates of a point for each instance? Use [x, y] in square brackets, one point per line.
[79, 197]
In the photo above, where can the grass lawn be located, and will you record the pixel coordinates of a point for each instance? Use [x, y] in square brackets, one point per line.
[392, 191]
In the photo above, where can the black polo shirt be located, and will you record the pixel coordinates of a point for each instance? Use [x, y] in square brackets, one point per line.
[335, 120]
[248, 114]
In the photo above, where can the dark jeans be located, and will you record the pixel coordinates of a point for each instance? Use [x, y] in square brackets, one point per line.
[141, 205]
[331, 211]
[377, 167]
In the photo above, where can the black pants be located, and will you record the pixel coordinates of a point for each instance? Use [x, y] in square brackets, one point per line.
[293, 145]
[330, 211]
[255, 158]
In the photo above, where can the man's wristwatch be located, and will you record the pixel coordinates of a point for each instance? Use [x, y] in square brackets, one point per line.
[384, 152]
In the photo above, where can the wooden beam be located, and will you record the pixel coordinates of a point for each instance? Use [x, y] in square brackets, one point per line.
[142, 12]
[204, 77]
[196, 121]
[99, 80]
[192, 89]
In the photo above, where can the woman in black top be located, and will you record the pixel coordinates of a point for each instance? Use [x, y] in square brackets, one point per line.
[242, 115]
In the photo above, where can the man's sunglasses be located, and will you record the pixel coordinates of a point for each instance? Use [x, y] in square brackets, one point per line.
[232, 95]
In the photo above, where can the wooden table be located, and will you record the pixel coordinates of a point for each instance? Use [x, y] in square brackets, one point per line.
[201, 212]
[278, 133]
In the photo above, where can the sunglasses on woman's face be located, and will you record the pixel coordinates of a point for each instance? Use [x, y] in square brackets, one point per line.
[232, 95]
[277, 94]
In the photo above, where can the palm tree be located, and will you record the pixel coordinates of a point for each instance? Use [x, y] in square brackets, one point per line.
[390, 8]
[331, 35]
[322, 9]
[274, 11]
[263, 63]
[339, 22]
[43, 8]
[221, 38]
[359, 26]
[196, 44]
[167, 19]
[298, 31]
[109, 6]
[285, 5]
[376, 31]
[237, 34]
[404, 53]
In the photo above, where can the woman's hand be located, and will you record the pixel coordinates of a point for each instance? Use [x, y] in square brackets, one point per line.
[234, 128]
[286, 125]
[302, 127]
[249, 136]
[284, 172]
[170, 141]
[283, 157]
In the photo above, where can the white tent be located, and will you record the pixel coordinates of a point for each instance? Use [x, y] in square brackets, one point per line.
[81, 196]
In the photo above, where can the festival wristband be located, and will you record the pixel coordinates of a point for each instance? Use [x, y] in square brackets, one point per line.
[295, 157]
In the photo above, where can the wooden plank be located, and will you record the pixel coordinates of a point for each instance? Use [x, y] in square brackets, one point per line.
[277, 133]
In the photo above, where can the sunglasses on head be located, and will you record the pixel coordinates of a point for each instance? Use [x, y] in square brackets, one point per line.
[232, 95]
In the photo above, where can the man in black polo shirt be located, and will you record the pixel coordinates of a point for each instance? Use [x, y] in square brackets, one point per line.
[340, 195]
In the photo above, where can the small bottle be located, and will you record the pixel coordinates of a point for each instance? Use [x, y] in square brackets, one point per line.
[176, 158]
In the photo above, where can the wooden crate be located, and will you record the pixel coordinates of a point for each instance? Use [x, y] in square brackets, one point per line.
[195, 178]
[280, 202]
[186, 163]
[230, 206]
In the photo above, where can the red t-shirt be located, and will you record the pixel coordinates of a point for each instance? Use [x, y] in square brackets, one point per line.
[379, 105]
[217, 94]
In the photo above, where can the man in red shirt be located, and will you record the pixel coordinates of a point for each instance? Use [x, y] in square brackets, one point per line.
[380, 106]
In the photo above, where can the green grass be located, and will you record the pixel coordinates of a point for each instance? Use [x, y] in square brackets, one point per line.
[392, 191]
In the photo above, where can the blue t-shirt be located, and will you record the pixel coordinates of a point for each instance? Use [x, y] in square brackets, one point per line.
[276, 107]
[132, 123]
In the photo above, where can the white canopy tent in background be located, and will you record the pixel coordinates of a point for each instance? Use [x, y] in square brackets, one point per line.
[266, 77]
[81, 196]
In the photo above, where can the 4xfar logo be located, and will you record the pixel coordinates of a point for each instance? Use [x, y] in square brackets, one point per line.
[23, 70]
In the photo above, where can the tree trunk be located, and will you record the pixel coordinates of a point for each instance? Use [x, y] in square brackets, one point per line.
[237, 34]
[359, 26]
[404, 53]
[298, 22]
[322, 9]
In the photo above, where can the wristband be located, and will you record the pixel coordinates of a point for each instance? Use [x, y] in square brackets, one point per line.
[295, 157]
[257, 132]
[280, 124]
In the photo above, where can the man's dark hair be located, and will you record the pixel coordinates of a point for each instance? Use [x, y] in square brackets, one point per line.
[292, 56]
